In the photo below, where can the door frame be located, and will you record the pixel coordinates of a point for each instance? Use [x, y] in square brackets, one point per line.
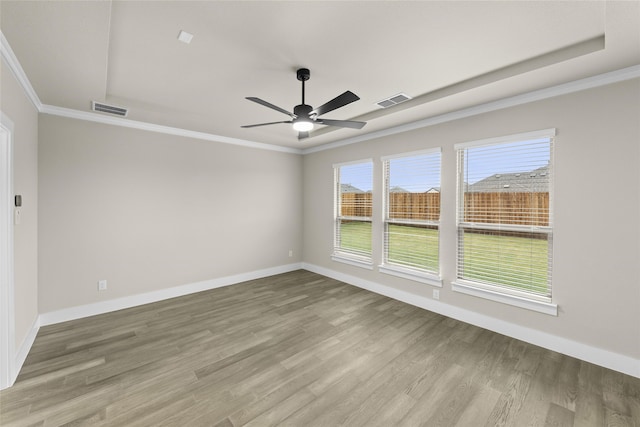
[7, 309]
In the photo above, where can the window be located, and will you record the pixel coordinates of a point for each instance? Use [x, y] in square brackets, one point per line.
[505, 219]
[412, 216]
[352, 239]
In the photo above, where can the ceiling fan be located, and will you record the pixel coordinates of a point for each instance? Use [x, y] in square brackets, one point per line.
[304, 116]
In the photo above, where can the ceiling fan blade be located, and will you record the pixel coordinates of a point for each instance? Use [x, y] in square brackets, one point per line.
[268, 104]
[264, 124]
[339, 101]
[303, 135]
[342, 123]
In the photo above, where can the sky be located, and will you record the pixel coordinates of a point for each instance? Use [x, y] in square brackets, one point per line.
[514, 157]
[480, 163]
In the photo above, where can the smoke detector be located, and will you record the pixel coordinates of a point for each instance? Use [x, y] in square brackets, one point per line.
[185, 37]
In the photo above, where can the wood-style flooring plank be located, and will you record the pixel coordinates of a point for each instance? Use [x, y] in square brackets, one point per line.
[300, 349]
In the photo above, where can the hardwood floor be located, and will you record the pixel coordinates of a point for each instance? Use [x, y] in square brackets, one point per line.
[300, 349]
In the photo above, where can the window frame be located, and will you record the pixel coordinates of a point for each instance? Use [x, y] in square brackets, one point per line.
[494, 291]
[338, 254]
[422, 275]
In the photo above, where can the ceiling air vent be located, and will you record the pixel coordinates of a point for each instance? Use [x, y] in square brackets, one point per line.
[393, 100]
[110, 109]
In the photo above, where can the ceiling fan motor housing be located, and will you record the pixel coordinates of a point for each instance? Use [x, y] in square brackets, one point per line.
[303, 74]
[302, 110]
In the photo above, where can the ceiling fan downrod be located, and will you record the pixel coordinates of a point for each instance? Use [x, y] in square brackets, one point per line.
[303, 74]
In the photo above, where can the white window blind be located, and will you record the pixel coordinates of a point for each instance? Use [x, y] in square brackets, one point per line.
[353, 191]
[505, 215]
[412, 211]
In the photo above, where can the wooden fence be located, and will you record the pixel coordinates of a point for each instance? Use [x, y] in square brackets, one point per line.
[513, 208]
[421, 206]
[356, 204]
[508, 208]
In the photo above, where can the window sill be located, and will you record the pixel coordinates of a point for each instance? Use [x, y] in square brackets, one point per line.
[407, 273]
[522, 302]
[356, 262]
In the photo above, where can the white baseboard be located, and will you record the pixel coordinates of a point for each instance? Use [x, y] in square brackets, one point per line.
[22, 352]
[87, 310]
[617, 362]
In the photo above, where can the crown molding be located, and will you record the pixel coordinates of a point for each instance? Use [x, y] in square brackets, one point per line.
[151, 127]
[518, 68]
[525, 98]
[566, 88]
[9, 57]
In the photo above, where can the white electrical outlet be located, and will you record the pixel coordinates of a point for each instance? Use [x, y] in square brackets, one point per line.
[102, 285]
[290, 252]
[436, 294]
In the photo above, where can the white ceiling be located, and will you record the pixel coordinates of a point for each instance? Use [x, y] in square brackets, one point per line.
[127, 53]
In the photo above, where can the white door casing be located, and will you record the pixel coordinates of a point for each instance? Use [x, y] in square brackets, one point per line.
[7, 332]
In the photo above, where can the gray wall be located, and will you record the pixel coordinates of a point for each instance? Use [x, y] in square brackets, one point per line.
[148, 211]
[15, 105]
[596, 271]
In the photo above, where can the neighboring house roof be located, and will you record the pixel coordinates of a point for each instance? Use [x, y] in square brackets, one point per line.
[348, 188]
[536, 180]
[397, 189]
[433, 190]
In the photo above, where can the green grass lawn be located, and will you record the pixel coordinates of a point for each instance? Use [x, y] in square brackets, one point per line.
[356, 236]
[413, 246]
[526, 256]
[526, 260]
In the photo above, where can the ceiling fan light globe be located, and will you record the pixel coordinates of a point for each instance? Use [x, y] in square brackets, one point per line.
[303, 125]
